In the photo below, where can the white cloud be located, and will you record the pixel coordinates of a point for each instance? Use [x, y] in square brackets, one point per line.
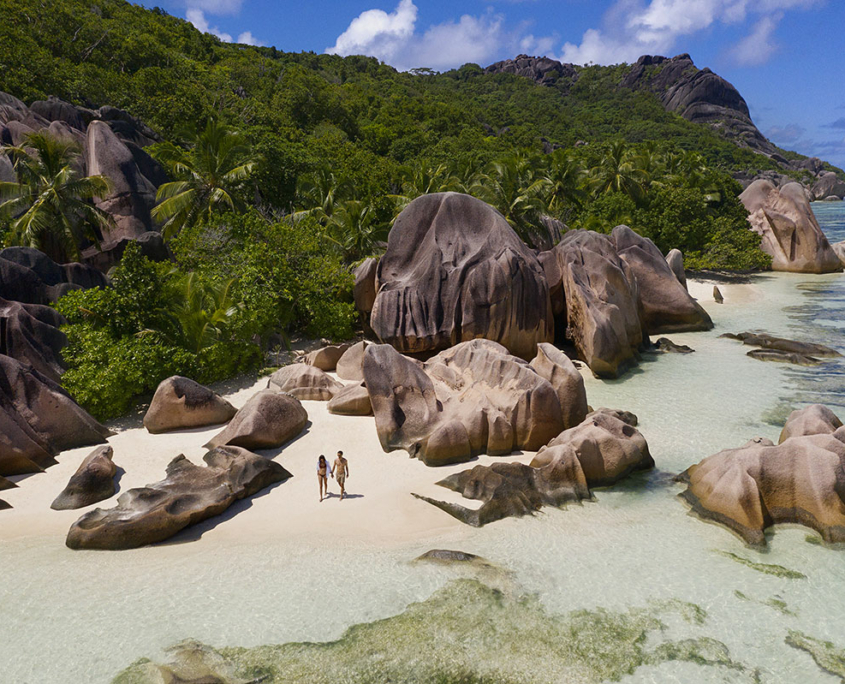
[632, 28]
[197, 18]
[759, 45]
[393, 38]
[248, 39]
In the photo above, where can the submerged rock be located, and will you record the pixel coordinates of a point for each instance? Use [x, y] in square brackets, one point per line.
[473, 398]
[305, 382]
[801, 480]
[781, 344]
[267, 420]
[779, 356]
[180, 403]
[188, 495]
[666, 345]
[92, 482]
[455, 270]
[788, 228]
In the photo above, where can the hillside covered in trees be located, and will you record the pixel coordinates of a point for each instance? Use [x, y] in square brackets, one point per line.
[286, 170]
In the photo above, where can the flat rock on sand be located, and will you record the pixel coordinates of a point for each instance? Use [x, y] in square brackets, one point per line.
[180, 403]
[305, 382]
[188, 495]
[267, 420]
[801, 480]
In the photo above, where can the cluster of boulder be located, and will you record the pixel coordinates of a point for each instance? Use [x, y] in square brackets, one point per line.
[800, 480]
[112, 143]
[455, 270]
[789, 232]
[604, 448]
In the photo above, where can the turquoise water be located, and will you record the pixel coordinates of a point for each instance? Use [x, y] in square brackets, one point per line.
[94, 613]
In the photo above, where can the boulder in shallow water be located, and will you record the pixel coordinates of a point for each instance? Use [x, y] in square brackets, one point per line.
[267, 420]
[188, 495]
[665, 345]
[181, 403]
[779, 356]
[815, 419]
[455, 270]
[307, 383]
[801, 481]
[666, 304]
[717, 295]
[473, 398]
[766, 341]
[92, 482]
[790, 233]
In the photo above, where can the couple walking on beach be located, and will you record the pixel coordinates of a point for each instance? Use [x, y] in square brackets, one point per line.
[339, 471]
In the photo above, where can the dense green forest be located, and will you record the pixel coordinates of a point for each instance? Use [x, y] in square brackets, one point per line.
[320, 154]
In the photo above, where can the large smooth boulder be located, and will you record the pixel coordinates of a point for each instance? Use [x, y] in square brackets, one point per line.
[602, 302]
[28, 275]
[606, 444]
[473, 398]
[181, 403]
[556, 367]
[132, 196]
[350, 366]
[675, 259]
[364, 290]
[828, 185]
[800, 481]
[30, 333]
[666, 305]
[38, 420]
[454, 270]
[188, 495]
[352, 400]
[788, 228]
[267, 420]
[839, 250]
[326, 358]
[92, 482]
[307, 383]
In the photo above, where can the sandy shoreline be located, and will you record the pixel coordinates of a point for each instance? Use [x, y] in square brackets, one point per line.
[381, 509]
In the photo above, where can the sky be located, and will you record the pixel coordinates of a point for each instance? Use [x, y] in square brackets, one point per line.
[785, 56]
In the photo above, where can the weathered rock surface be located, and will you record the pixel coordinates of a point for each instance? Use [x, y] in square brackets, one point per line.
[606, 444]
[676, 262]
[180, 403]
[92, 482]
[307, 383]
[364, 290]
[326, 358]
[828, 185]
[601, 299]
[188, 495]
[717, 295]
[267, 420]
[766, 341]
[352, 400]
[839, 250]
[473, 398]
[666, 304]
[541, 70]
[454, 270]
[813, 420]
[789, 230]
[31, 277]
[38, 420]
[801, 480]
[350, 366]
[30, 333]
[556, 367]
[779, 356]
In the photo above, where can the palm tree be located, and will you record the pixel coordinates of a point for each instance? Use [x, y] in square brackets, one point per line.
[563, 183]
[617, 172]
[210, 177]
[320, 192]
[423, 179]
[354, 228]
[197, 313]
[49, 207]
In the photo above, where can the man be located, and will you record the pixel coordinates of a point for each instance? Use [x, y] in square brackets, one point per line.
[341, 472]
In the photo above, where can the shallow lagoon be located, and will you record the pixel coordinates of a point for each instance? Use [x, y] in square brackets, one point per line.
[84, 616]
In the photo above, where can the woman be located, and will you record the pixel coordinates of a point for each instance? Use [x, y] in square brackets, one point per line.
[323, 469]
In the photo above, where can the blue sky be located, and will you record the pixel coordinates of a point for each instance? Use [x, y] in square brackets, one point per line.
[785, 56]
